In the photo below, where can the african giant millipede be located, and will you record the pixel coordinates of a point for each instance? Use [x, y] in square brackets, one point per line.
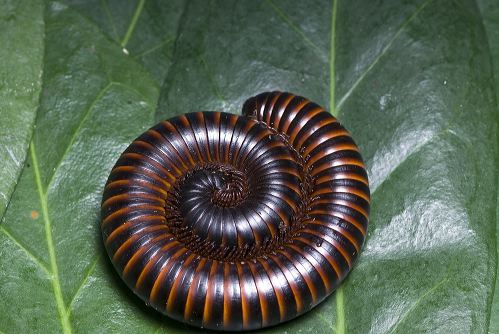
[238, 222]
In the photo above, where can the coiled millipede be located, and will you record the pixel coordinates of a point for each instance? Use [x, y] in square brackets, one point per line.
[237, 222]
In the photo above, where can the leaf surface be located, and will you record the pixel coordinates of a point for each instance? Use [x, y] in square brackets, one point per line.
[145, 30]
[411, 80]
[490, 14]
[95, 101]
[21, 38]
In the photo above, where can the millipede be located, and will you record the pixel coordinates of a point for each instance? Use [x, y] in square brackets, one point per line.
[238, 222]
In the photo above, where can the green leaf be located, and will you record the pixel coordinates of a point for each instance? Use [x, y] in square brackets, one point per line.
[490, 14]
[413, 83]
[95, 101]
[21, 52]
[411, 80]
[145, 30]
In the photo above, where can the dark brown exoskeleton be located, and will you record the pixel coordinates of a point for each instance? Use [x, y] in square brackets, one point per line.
[238, 222]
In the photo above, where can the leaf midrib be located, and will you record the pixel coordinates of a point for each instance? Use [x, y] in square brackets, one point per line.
[63, 309]
[332, 61]
[335, 108]
[55, 279]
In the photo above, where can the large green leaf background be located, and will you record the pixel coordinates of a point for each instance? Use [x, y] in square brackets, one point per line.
[20, 85]
[490, 13]
[412, 80]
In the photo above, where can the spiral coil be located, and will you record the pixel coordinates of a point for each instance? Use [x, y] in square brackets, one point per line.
[238, 222]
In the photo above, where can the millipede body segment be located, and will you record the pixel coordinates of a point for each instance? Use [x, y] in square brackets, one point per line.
[238, 222]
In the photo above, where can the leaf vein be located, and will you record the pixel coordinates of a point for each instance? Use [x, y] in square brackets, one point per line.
[25, 250]
[154, 48]
[77, 130]
[340, 312]
[416, 303]
[380, 55]
[56, 286]
[81, 285]
[321, 316]
[332, 61]
[297, 30]
[120, 84]
[133, 23]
